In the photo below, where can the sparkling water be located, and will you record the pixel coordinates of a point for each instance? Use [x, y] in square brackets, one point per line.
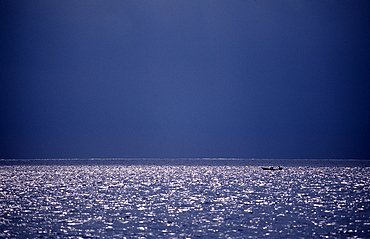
[183, 199]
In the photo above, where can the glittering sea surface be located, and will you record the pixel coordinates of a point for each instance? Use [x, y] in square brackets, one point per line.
[196, 199]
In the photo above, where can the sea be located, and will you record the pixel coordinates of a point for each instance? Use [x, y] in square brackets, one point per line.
[184, 198]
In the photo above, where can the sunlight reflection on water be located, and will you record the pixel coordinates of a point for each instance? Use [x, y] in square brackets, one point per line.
[118, 201]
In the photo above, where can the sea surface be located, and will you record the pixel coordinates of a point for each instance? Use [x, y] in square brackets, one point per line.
[184, 198]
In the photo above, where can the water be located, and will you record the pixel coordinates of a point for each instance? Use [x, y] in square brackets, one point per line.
[166, 198]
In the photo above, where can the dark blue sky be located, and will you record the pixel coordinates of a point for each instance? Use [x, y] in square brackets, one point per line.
[263, 79]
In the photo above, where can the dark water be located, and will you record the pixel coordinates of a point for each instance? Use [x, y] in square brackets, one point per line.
[170, 198]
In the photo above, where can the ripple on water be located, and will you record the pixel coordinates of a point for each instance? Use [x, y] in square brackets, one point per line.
[183, 201]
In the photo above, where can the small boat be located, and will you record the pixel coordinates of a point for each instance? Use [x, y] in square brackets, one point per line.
[272, 168]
